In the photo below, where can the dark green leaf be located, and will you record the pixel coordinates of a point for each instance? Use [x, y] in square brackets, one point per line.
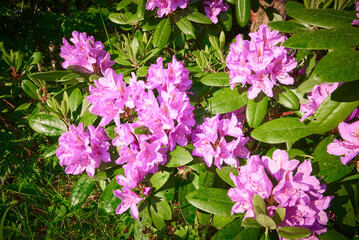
[224, 174]
[225, 19]
[88, 119]
[265, 221]
[118, 18]
[50, 151]
[24, 187]
[199, 18]
[142, 130]
[325, 39]
[188, 211]
[185, 26]
[281, 130]
[50, 76]
[123, 4]
[206, 179]
[47, 124]
[167, 191]
[108, 202]
[220, 79]
[80, 192]
[286, 26]
[30, 88]
[226, 100]
[251, 222]
[179, 157]
[331, 234]
[279, 215]
[162, 33]
[212, 200]
[294, 232]
[159, 179]
[256, 111]
[230, 231]
[34, 59]
[79, 70]
[248, 233]
[144, 221]
[243, 12]
[204, 218]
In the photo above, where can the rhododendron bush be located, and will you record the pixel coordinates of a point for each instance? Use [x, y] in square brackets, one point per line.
[185, 113]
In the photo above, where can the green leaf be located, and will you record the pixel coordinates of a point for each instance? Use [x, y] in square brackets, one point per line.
[256, 111]
[294, 232]
[324, 39]
[167, 191]
[251, 222]
[248, 233]
[329, 165]
[286, 26]
[225, 19]
[75, 100]
[331, 234]
[288, 99]
[82, 71]
[142, 130]
[243, 12]
[259, 205]
[162, 33]
[279, 215]
[26, 188]
[331, 112]
[108, 202]
[118, 18]
[144, 222]
[221, 221]
[50, 76]
[337, 66]
[30, 88]
[206, 179]
[179, 157]
[80, 192]
[199, 18]
[34, 59]
[265, 221]
[281, 130]
[212, 200]
[324, 18]
[224, 174]
[185, 26]
[226, 100]
[158, 221]
[47, 125]
[188, 211]
[123, 4]
[88, 119]
[159, 179]
[230, 231]
[220, 79]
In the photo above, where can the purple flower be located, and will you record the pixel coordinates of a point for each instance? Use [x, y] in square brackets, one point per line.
[260, 62]
[356, 22]
[129, 200]
[166, 6]
[213, 8]
[86, 53]
[279, 164]
[350, 147]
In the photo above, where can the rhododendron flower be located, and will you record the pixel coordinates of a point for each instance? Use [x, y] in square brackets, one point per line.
[293, 188]
[129, 200]
[260, 62]
[166, 6]
[213, 8]
[86, 53]
[350, 147]
[355, 21]
[83, 150]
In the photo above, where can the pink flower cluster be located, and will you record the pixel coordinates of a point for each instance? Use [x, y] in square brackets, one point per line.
[294, 189]
[260, 62]
[166, 6]
[355, 21]
[80, 150]
[86, 53]
[213, 8]
[220, 139]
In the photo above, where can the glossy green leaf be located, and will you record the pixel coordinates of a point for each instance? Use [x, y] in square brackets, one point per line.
[50, 76]
[26, 188]
[47, 125]
[279, 215]
[159, 179]
[198, 18]
[230, 231]
[331, 234]
[185, 26]
[265, 221]
[80, 192]
[212, 200]
[75, 100]
[243, 12]
[248, 233]
[325, 18]
[157, 220]
[288, 99]
[206, 179]
[256, 111]
[251, 222]
[329, 165]
[226, 100]
[34, 59]
[225, 19]
[325, 39]
[118, 18]
[259, 205]
[220, 79]
[88, 119]
[219, 221]
[281, 130]
[179, 157]
[286, 26]
[331, 112]
[337, 66]
[142, 130]
[108, 203]
[162, 33]
[224, 174]
[167, 191]
[123, 4]
[79, 70]
[188, 211]
[163, 209]
[30, 88]
[294, 232]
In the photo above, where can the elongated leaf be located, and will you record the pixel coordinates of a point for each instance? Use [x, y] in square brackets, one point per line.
[206, 179]
[251, 222]
[221, 221]
[331, 234]
[30, 88]
[331, 112]
[47, 124]
[325, 39]
[118, 18]
[144, 221]
[185, 26]
[329, 165]
[294, 232]
[75, 100]
[80, 192]
[50, 76]
[212, 200]
[337, 66]
[259, 205]
[34, 59]
[224, 174]
[279, 215]
[162, 33]
[159, 179]
[256, 111]
[281, 130]
[26, 188]
[243, 12]
[227, 100]
[230, 231]
[108, 202]
[325, 18]
[188, 211]
[164, 210]
[286, 26]
[179, 157]
[265, 221]
[225, 19]
[248, 233]
[157, 220]
[220, 79]
[199, 18]
[288, 99]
